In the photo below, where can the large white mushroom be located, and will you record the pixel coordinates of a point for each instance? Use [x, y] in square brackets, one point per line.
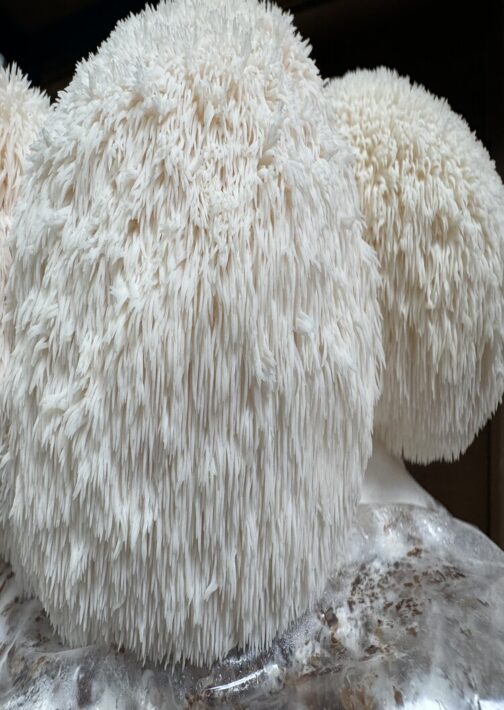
[197, 338]
[434, 208]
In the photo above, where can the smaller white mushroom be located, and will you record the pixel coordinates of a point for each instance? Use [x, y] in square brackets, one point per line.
[434, 208]
[23, 109]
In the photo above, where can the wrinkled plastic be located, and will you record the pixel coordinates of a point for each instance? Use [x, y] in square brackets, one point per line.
[413, 618]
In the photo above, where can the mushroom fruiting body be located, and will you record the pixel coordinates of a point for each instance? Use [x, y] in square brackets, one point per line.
[197, 338]
[434, 209]
[23, 110]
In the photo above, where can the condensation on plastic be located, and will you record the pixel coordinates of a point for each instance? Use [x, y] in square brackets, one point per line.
[413, 618]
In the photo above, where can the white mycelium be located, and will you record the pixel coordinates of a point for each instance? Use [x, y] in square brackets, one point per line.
[197, 338]
[23, 109]
[434, 207]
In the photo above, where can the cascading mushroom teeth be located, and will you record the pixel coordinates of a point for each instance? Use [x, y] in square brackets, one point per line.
[434, 209]
[198, 337]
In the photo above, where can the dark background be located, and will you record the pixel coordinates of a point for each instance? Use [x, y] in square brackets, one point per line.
[456, 49]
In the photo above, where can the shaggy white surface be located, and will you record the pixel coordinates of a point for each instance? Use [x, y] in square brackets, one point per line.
[198, 334]
[434, 208]
[22, 111]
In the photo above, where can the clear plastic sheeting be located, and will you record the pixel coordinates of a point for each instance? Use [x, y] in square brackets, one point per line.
[413, 618]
